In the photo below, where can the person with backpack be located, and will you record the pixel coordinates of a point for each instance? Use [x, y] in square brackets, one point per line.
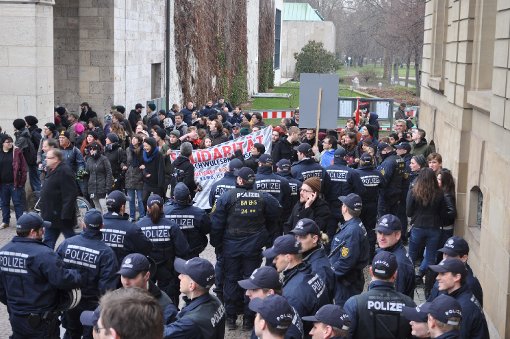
[25, 144]
[35, 137]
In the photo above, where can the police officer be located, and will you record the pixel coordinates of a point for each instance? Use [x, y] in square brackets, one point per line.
[239, 231]
[226, 183]
[119, 233]
[306, 166]
[349, 251]
[372, 180]
[274, 316]
[392, 170]
[404, 151]
[135, 271]
[263, 282]
[451, 278]
[344, 181]
[377, 312]
[30, 279]
[457, 247]
[97, 262]
[223, 185]
[194, 222]
[283, 170]
[304, 290]
[330, 321]
[203, 316]
[168, 241]
[309, 236]
[445, 317]
[277, 186]
[389, 238]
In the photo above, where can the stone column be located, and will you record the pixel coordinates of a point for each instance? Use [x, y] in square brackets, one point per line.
[26, 60]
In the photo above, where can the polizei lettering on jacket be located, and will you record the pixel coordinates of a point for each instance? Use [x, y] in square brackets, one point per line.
[248, 194]
[371, 180]
[220, 189]
[293, 189]
[157, 233]
[268, 185]
[13, 262]
[80, 255]
[185, 222]
[379, 305]
[218, 315]
[113, 238]
[338, 175]
[310, 174]
[317, 285]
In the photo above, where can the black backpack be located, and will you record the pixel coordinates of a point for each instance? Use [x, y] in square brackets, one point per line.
[30, 153]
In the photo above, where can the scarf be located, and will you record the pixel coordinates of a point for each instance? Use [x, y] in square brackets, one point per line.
[136, 156]
[148, 158]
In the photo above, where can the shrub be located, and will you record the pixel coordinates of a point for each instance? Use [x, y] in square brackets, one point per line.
[313, 58]
[367, 73]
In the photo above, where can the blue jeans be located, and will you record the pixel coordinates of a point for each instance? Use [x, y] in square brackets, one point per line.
[428, 238]
[35, 178]
[132, 203]
[8, 192]
[51, 234]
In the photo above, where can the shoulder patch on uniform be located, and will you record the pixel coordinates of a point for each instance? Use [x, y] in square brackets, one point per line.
[345, 252]
[383, 171]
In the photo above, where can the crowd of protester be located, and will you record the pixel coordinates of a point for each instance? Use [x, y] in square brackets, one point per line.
[320, 207]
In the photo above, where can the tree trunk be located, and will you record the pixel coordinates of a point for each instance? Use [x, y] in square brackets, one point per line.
[386, 65]
[396, 78]
[408, 66]
[417, 73]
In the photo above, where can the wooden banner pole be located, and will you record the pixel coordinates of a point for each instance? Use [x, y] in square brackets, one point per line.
[318, 117]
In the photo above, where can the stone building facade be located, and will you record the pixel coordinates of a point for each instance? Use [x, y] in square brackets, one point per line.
[106, 52]
[465, 109]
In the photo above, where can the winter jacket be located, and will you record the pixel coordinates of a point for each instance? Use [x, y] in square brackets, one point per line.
[19, 168]
[183, 171]
[134, 175]
[319, 212]
[100, 176]
[217, 138]
[117, 157]
[421, 148]
[430, 216]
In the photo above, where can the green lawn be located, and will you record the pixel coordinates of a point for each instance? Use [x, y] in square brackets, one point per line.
[352, 71]
[291, 87]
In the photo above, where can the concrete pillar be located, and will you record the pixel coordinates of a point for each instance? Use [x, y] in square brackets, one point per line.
[26, 60]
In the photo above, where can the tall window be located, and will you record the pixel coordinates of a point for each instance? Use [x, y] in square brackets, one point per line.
[155, 81]
[277, 34]
[476, 207]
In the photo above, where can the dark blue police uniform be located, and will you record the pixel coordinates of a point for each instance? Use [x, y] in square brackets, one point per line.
[98, 263]
[319, 263]
[221, 186]
[372, 180]
[295, 186]
[31, 275]
[123, 236]
[348, 256]
[168, 242]
[239, 231]
[405, 282]
[308, 168]
[473, 324]
[392, 170]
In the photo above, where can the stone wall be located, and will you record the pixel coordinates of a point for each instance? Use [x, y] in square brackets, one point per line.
[296, 34]
[26, 60]
[466, 110]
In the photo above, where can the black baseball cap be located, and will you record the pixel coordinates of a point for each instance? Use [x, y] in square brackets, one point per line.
[383, 145]
[116, 199]
[388, 224]
[365, 157]
[303, 147]
[31, 220]
[332, 315]
[263, 277]
[235, 164]
[306, 226]
[137, 106]
[245, 173]
[340, 152]
[93, 219]
[265, 159]
[404, 145]
[284, 244]
[274, 309]
[154, 199]
[453, 265]
[444, 308]
[283, 164]
[198, 269]
[415, 313]
[90, 318]
[353, 201]
[455, 247]
[384, 264]
[133, 264]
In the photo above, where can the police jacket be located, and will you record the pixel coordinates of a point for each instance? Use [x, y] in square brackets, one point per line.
[454, 334]
[344, 180]
[392, 170]
[430, 216]
[167, 239]
[194, 223]
[308, 168]
[295, 330]
[319, 263]
[277, 186]
[123, 236]
[31, 276]
[295, 186]
[304, 290]
[349, 249]
[373, 180]
[100, 176]
[201, 318]
[473, 324]
[58, 195]
[163, 299]
[319, 212]
[94, 259]
[405, 282]
[226, 183]
[406, 179]
[377, 313]
[239, 220]
[471, 281]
